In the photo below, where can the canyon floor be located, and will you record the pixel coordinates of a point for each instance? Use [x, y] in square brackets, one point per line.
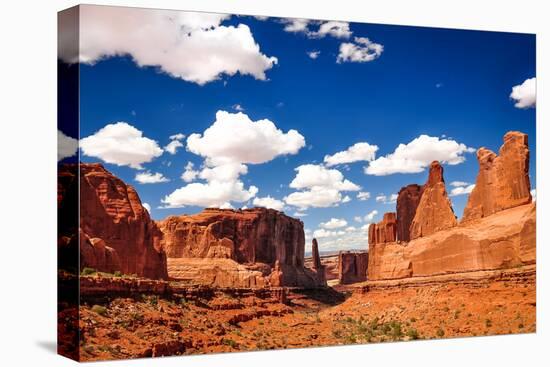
[459, 305]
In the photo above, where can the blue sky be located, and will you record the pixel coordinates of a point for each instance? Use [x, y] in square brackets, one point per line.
[451, 85]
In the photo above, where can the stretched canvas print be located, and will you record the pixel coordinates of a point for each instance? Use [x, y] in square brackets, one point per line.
[231, 183]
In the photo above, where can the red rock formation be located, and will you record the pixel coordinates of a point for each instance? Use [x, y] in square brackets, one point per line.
[503, 240]
[407, 203]
[503, 180]
[315, 254]
[434, 212]
[383, 231]
[94, 253]
[249, 237]
[352, 267]
[111, 213]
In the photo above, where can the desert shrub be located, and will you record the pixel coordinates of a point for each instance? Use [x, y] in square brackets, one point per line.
[440, 333]
[100, 310]
[412, 334]
[488, 323]
[88, 271]
[117, 274]
[231, 343]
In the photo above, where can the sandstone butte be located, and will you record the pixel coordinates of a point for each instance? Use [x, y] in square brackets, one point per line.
[238, 248]
[352, 267]
[503, 180]
[498, 230]
[116, 231]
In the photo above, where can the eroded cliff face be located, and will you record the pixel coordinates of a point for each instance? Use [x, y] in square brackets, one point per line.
[383, 231]
[498, 230]
[116, 231]
[352, 267]
[503, 240]
[408, 199]
[434, 212]
[503, 180]
[256, 242]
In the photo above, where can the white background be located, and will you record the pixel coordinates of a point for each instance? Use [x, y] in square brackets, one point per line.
[28, 182]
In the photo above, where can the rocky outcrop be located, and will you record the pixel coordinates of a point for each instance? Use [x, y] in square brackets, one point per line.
[116, 230]
[383, 231]
[256, 239]
[315, 254]
[352, 267]
[503, 240]
[95, 254]
[434, 212]
[503, 180]
[408, 199]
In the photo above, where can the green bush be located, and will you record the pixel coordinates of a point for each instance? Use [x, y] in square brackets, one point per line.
[412, 334]
[117, 274]
[100, 310]
[440, 333]
[88, 271]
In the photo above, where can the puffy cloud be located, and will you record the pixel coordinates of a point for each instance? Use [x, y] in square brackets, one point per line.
[312, 175]
[300, 214]
[332, 28]
[316, 197]
[334, 223]
[355, 153]
[313, 54]
[234, 137]
[224, 172]
[370, 216]
[462, 190]
[534, 194]
[238, 107]
[358, 219]
[192, 46]
[190, 174]
[363, 195]
[210, 194]
[385, 199]
[321, 187]
[296, 25]
[361, 50]
[150, 178]
[175, 143]
[525, 94]
[415, 156]
[66, 146]
[269, 202]
[346, 199]
[122, 144]
[147, 207]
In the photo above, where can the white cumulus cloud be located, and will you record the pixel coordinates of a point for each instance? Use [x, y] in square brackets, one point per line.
[190, 174]
[195, 47]
[121, 144]
[357, 152]
[175, 143]
[234, 137]
[534, 194]
[211, 194]
[147, 207]
[334, 223]
[370, 216]
[461, 190]
[269, 202]
[313, 54]
[332, 28]
[361, 50]
[384, 199]
[150, 178]
[363, 195]
[321, 187]
[66, 146]
[525, 94]
[415, 156]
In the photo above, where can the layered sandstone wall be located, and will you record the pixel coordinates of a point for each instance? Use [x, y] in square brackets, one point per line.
[116, 231]
[503, 240]
[252, 240]
[352, 267]
[498, 230]
[503, 180]
[408, 200]
[383, 231]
